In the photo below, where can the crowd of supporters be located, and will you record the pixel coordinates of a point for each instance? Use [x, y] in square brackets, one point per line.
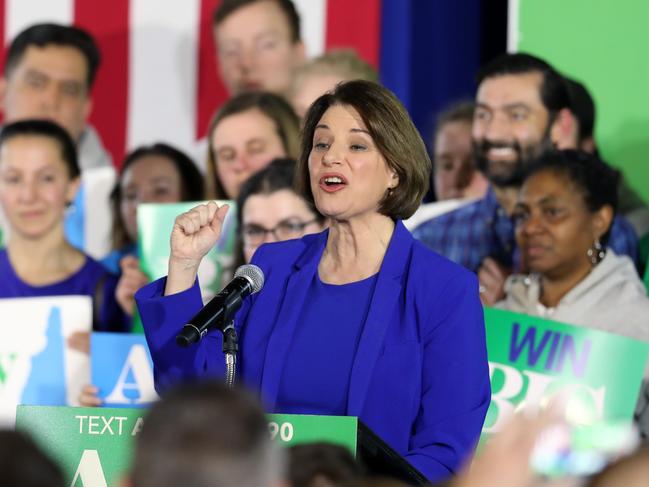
[519, 195]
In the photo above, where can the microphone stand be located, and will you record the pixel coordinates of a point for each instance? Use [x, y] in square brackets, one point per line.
[230, 349]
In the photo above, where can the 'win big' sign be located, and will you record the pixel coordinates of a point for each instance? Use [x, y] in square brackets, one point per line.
[597, 375]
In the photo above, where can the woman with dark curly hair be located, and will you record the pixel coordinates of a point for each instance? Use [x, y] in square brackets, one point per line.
[563, 221]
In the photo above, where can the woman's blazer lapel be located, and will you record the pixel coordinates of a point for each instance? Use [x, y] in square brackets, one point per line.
[381, 312]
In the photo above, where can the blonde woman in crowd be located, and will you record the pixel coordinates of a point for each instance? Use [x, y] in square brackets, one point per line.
[248, 132]
[323, 73]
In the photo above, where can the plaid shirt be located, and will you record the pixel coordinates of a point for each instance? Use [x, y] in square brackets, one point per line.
[483, 229]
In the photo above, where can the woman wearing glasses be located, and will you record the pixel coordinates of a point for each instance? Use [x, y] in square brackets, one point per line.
[271, 210]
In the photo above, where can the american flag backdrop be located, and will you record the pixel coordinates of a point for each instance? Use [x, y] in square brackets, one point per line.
[158, 79]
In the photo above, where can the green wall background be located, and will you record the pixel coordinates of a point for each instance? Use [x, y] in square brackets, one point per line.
[604, 44]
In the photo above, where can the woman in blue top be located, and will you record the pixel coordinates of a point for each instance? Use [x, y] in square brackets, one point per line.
[358, 320]
[39, 176]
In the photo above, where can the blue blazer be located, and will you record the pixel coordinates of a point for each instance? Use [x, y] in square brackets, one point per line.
[419, 378]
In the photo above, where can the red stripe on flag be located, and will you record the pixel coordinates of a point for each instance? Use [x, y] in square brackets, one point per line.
[3, 51]
[211, 92]
[355, 24]
[108, 22]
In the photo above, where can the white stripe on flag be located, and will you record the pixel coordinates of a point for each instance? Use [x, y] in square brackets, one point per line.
[20, 14]
[314, 19]
[513, 19]
[162, 64]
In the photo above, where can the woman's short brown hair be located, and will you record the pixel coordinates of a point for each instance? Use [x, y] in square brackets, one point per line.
[274, 107]
[392, 131]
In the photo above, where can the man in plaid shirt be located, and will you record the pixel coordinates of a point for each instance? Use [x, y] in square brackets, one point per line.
[522, 109]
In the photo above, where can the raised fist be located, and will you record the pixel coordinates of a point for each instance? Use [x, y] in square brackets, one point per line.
[194, 234]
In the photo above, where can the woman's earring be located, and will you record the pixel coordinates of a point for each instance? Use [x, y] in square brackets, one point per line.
[596, 253]
[70, 209]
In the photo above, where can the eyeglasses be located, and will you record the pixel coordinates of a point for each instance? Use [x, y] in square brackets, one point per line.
[285, 230]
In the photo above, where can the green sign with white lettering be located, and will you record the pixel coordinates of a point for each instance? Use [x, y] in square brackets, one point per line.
[94, 445]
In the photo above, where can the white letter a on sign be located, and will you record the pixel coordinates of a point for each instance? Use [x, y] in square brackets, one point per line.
[138, 363]
[89, 472]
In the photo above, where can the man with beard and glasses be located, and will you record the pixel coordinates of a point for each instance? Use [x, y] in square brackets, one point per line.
[522, 109]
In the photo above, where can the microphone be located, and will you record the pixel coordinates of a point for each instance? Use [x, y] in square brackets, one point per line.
[248, 279]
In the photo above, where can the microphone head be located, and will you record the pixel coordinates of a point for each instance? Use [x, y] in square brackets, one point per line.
[253, 274]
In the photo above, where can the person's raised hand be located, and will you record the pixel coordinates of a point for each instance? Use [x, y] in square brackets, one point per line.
[131, 280]
[194, 233]
[492, 277]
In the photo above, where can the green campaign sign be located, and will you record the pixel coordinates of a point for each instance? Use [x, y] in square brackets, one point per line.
[155, 222]
[597, 375]
[292, 429]
[94, 445]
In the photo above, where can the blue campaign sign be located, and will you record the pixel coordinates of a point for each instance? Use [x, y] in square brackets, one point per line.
[122, 369]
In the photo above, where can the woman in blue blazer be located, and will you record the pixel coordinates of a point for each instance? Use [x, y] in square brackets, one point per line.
[359, 320]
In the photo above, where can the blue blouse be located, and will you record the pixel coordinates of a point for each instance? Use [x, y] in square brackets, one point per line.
[317, 382]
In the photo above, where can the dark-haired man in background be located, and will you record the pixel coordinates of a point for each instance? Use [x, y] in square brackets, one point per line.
[522, 109]
[582, 106]
[48, 74]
